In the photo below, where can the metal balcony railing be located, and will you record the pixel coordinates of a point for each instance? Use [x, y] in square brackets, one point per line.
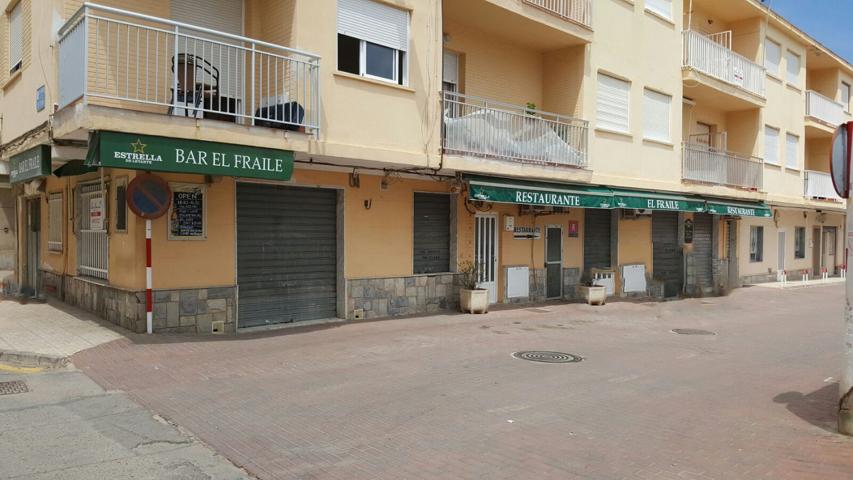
[579, 11]
[708, 56]
[478, 127]
[818, 185]
[129, 60]
[824, 108]
[708, 165]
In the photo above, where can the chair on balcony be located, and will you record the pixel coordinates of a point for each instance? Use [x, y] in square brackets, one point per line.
[198, 84]
[277, 112]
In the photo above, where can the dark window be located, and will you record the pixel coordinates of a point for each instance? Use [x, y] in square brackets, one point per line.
[121, 207]
[401, 63]
[379, 61]
[348, 54]
[432, 233]
[756, 244]
[800, 242]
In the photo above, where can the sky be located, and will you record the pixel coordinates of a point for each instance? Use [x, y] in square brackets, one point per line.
[827, 21]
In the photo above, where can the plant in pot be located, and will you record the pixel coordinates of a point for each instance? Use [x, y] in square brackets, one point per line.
[593, 294]
[472, 298]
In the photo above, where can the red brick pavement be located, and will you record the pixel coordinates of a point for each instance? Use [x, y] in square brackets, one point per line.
[441, 397]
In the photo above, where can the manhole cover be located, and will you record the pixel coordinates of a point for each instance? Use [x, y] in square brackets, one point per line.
[691, 331]
[16, 386]
[548, 357]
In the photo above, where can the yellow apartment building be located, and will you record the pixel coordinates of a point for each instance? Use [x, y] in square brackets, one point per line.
[341, 158]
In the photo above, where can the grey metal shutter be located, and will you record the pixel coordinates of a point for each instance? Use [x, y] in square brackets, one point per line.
[666, 252]
[596, 239]
[432, 233]
[702, 250]
[286, 254]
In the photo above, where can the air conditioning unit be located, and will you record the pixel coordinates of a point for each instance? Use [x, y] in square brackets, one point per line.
[635, 213]
[644, 211]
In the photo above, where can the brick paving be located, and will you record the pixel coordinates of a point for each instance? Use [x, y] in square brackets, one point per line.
[441, 396]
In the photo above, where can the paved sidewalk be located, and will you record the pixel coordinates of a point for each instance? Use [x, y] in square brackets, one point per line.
[441, 397]
[51, 330]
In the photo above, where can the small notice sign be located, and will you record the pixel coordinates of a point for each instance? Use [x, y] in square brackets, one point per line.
[187, 220]
[96, 213]
[526, 233]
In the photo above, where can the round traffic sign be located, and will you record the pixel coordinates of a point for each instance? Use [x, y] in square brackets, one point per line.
[148, 196]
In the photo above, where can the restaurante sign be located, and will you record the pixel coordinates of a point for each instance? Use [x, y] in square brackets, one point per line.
[30, 164]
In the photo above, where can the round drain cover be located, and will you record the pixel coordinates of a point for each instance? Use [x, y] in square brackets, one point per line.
[548, 357]
[691, 331]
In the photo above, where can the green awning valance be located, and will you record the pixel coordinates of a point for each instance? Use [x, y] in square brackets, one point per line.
[502, 190]
[738, 209]
[644, 200]
[73, 168]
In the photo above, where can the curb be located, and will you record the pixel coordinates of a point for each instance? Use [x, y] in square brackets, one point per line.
[30, 359]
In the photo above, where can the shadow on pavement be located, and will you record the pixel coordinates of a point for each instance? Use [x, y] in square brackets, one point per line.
[818, 408]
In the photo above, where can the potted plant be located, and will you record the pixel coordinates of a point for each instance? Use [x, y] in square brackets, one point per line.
[593, 294]
[472, 298]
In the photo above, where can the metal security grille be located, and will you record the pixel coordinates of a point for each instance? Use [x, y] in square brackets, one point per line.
[93, 244]
[432, 233]
[286, 254]
[666, 252]
[55, 219]
[596, 239]
[702, 248]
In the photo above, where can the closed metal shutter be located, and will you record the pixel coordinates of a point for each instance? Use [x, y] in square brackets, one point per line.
[286, 254]
[596, 239]
[666, 252]
[432, 233]
[702, 250]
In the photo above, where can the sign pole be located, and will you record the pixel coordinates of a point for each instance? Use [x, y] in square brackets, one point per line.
[843, 148]
[149, 301]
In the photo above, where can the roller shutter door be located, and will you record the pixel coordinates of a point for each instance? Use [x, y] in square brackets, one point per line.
[702, 227]
[432, 233]
[596, 239]
[666, 252]
[286, 254]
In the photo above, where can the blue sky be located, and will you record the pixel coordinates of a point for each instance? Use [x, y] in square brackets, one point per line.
[827, 21]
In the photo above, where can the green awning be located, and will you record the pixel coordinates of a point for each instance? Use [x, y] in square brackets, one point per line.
[503, 190]
[73, 168]
[737, 209]
[647, 200]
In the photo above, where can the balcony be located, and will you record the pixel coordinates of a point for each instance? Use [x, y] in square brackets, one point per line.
[705, 164]
[578, 11]
[128, 60]
[824, 109]
[478, 127]
[725, 78]
[818, 186]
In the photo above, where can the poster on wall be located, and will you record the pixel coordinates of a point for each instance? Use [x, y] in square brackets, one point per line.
[187, 216]
[574, 229]
[96, 213]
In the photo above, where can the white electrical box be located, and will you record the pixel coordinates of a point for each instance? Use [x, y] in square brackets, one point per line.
[634, 278]
[509, 223]
[517, 282]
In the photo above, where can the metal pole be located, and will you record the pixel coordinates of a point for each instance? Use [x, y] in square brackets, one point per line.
[845, 404]
[149, 304]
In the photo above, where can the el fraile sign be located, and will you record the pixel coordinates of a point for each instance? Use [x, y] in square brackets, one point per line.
[33, 163]
[164, 154]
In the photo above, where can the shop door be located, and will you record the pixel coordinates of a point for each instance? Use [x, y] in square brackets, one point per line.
[731, 231]
[554, 262]
[596, 239]
[287, 262]
[780, 260]
[703, 225]
[666, 253]
[486, 253]
[31, 284]
[829, 242]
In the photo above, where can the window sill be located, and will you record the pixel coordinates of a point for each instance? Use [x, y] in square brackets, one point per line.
[773, 76]
[55, 252]
[796, 88]
[771, 164]
[660, 17]
[14, 78]
[353, 76]
[664, 143]
[613, 132]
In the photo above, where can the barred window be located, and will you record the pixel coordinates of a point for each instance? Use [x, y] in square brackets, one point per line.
[56, 218]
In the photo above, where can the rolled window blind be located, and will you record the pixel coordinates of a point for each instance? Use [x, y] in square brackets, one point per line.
[612, 103]
[374, 22]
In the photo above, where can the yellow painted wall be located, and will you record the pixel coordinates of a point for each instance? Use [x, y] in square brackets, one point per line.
[818, 151]
[635, 242]
[563, 80]
[824, 81]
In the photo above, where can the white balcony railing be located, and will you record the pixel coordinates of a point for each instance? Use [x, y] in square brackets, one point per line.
[708, 56]
[134, 61]
[579, 11]
[478, 127]
[824, 108]
[819, 185]
[708, 165]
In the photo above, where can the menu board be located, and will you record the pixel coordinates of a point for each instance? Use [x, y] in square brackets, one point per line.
[187, 219]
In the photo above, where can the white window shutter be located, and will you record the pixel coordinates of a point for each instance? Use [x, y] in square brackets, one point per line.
[613, 103]
[656, 107]
[451, 68]
[792, 143]
[16, 36]
[771, 145]
[374, 22]
[661, 7]
[792, 65]
[772, 56]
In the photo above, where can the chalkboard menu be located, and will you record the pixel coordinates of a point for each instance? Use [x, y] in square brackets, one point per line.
[187, 218]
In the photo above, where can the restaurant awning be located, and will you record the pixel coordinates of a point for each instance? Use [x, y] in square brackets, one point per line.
[738, 208]
[503, 190]
[650, 200]
[73, 168]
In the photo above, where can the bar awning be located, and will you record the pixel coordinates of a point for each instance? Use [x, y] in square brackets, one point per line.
[649, 200]
[738, 208]
[504, 190]
[73, 168]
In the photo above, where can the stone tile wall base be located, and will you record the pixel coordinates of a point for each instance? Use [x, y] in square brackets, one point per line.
[395, 296]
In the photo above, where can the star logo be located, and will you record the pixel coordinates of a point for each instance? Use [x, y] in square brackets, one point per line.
[138, 146]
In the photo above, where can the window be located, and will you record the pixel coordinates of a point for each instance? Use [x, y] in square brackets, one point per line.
[771, 145]
[661, 7]
[800, 242]
[55, 218]
[16, 38]
[792, 144]
[121, 205]
[450, 73]
[613, 103]
[772, 56]
[792, 66]
[373, 40]
[756, 244]
[656, 115]
[845, 96]
[92, 242]
[432, 233]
